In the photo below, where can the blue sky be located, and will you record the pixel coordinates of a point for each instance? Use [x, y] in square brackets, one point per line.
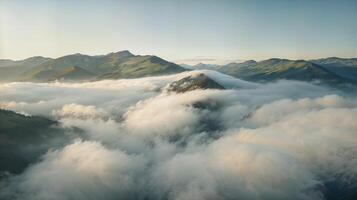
[180, 30]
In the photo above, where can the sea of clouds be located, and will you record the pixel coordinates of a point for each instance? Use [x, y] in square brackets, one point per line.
[281, 140]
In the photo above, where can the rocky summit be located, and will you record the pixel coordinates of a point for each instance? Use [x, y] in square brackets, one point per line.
[193, 82]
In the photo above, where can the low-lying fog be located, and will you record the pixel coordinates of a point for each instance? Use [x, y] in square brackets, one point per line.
[282, 140]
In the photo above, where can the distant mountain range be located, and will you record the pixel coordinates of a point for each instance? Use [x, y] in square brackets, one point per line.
[200, 66]
[329, 70]
[122, 64]
[342, 66]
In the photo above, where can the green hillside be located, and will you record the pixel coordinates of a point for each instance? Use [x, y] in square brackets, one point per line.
[93, 64]
[345, 67]
[10, 70]
[337, 62]
[44, 73]
[274, 69]
[141, 66]
[122, 64]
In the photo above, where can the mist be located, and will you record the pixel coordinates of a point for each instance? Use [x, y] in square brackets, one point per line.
[278, 140]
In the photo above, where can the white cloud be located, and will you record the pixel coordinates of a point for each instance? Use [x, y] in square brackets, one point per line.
[77, 111]
[81, 170]
[281, 140]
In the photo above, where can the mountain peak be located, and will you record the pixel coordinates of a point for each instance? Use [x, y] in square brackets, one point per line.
[123, 53]
[77, 54]
[249, 62]
[36, 59]
[193, 82]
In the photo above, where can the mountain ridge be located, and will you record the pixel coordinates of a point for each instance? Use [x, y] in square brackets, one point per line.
[279, 68]
[124, 64]
[275, 68]
[346, 67]
[121, 64]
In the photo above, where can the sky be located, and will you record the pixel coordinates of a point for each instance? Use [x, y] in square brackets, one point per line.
[180, 30]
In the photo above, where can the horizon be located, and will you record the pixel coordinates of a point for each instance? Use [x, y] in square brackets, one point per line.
[191, 62]
[180, 30]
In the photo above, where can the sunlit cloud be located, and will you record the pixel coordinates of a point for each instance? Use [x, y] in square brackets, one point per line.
[281, 140]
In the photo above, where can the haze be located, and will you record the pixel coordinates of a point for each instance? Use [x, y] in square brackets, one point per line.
[180, 30]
